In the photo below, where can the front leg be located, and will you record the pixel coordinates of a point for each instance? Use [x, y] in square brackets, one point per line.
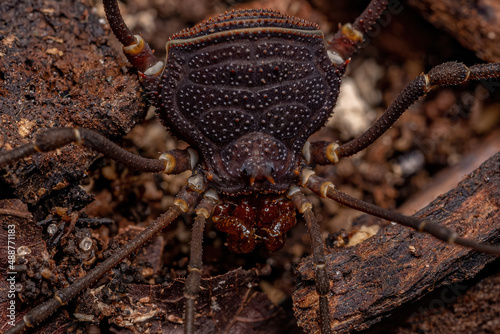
[447, 74]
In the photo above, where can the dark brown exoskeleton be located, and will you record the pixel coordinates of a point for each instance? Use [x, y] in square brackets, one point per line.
[246, 90]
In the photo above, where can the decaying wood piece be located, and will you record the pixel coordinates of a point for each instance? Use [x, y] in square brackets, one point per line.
[458, 308]
[398, 266]
[475, 24]
[58, 69]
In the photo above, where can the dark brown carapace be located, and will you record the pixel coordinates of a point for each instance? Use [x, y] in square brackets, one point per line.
[247, 89]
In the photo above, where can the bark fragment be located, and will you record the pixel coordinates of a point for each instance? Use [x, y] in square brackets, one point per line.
[398, 266]
[57, 69]
[473, 23]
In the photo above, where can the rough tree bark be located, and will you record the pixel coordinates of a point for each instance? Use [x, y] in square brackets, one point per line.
[474, 23]
[399, 266]
[57, 69]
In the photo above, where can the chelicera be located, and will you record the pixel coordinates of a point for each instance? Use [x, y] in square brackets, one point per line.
[246, 89]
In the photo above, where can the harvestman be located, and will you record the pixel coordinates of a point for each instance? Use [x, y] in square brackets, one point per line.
[268, 78]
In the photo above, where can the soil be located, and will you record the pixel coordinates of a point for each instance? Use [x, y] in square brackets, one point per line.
[59, 66]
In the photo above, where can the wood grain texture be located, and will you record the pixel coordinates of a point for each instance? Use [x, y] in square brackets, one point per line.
[398, 266]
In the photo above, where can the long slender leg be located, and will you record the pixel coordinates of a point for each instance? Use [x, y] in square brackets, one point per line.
[350, 37]
[173, 162]
[186, 199]
[446, 74]
[203, 212]
[322, 282]
[325, 188]
[137, 51]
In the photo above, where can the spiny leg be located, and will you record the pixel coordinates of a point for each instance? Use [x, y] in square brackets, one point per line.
[203, 212]
[349, 38]
[325, 189]
[172, 162]
[137, 51]
[185, 200]
[446, 74]
[304, 206]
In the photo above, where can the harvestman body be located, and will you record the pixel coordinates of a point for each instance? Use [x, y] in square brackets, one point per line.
[246, 89]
